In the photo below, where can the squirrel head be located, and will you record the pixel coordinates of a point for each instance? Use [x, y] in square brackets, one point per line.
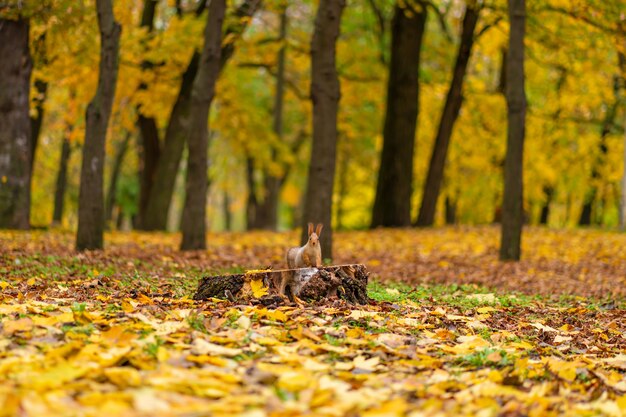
[314, 239]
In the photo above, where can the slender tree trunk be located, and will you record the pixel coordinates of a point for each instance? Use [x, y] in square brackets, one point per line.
[228, 217]
[194, 211]
[160, 199]
[61, 183]
[149, 159]
[267, 208]
[343, 188]
[15, 128]
[120, 153]
[41, 88]
[392, 205]
[450, 113]
[252, 203]
[622, 211]
[622, 66]
[512, 208]
[90, 200]
[590, 198]
[39, 98]
[325, 94]
[545, 209]
[450, 210]
[150, 149]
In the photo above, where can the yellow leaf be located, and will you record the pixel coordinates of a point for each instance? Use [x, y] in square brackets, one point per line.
[127, 306]
[258, 289]
[21, 325]
[276, 315]
[295, 381]
[123, 376]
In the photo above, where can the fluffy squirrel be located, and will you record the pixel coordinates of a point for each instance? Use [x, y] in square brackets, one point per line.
[305, 256]
[309, 254]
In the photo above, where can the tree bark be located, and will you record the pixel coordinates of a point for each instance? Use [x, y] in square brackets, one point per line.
[160, 199]
[149, 133]
[61, 183]
[344, 186]
[545, 209]
[266, 210]
[203, 91]
[609, 119]
[622, 205]
[325, 94]
[120, 153]
[15, 131]
[347, 282]
[228, 217]
[392, 205]
[90, 200]
[450, 210]
[39, 98]
[450, 113]
[622, 211]
[251, 203]
[149, 159]
[512, 208]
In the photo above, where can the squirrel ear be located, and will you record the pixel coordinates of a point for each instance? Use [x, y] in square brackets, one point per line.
[310, 228]
[319, 228]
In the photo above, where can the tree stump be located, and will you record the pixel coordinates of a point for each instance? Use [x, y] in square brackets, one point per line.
[347, 282]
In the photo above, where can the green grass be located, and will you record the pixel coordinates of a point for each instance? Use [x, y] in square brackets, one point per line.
[480, 359]
[461, 296]
[468, 296]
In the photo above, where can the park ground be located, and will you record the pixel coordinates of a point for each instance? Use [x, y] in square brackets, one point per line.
[450, 331]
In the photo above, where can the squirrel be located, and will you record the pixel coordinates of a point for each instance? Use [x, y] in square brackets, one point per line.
[305, 256]
[309, 254]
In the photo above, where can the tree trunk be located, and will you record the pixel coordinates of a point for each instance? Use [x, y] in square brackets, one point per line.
[587, 211]
[450, 210]
[15, 131]
[622, 211]
[267, 209]
[622, 207]
[39, 98]
[348, 282]
[450, 113]
[512, 207]
[194, 211]
[251, 203]
[545, 209]
[150, 144]
[343, 188]
[90, 200]
[61, 184]
[228, 217]
[149, 159]
[41, 88]
[160, 199]
[392, 205]
[325, 94]
[120, 153]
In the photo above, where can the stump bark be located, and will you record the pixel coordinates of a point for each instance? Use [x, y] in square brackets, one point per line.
[347, 282]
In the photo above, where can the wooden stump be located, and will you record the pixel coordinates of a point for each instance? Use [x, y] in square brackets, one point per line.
[348, 282]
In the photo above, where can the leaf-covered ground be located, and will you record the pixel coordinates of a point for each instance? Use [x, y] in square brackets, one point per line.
[116, 333]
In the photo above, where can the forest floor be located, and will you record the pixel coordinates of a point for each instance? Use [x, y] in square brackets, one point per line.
[450, 331]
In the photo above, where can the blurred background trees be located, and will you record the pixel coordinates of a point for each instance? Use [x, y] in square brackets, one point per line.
[421, 122]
